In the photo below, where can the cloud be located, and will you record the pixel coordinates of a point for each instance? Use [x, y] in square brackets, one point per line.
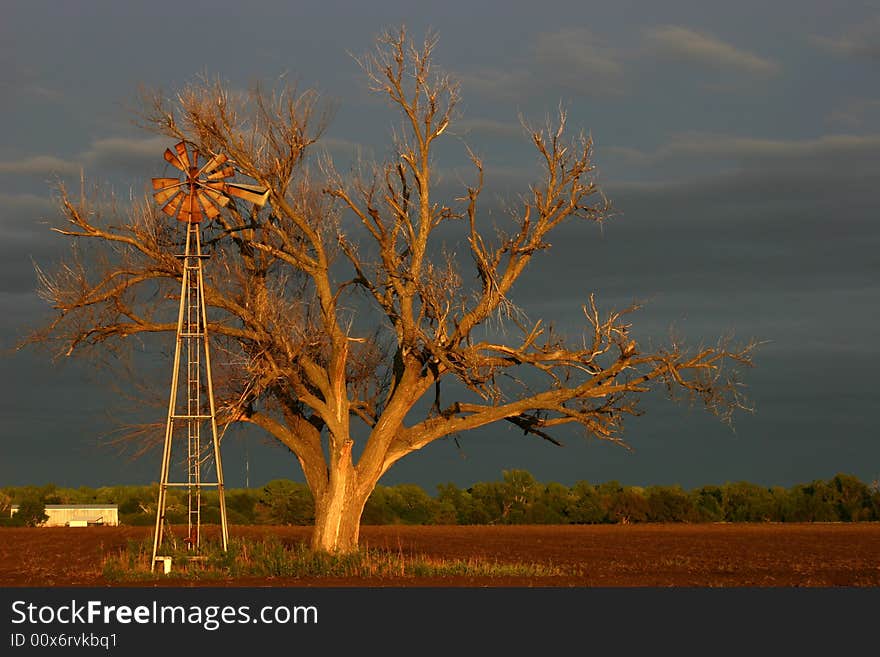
[41, 93]
[20, 217]
[26, 236]
[836, 174]
[769, 188]
[573, 58]
[22, 82]
[121, 152]
[110, 153]
[496, 82]
[40, 165]
[29, 202]
[489, 127]
[726, 146]
[857, 113]
[793, 217]
[685, 44]
[771, 239]
[859, 41]
[341, 147]
[339, 144]
[576, 58]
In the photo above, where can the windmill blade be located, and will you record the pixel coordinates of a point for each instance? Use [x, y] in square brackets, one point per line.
[164, 194]
[180, 147]
[228, 172]
[190, 210]
[210, 209]
[250, 193]
[215, 196]
[195, 211]
[254, 193]
[174, 160]
[212, 164]
[174, 204]
[161, 183]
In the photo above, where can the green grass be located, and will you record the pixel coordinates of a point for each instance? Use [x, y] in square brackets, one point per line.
[271, 558]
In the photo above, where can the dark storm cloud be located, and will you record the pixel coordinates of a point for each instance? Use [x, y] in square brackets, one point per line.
[861, 40]
[781, 249]
[760, 152]
[860, 113]
[781, 223]
[574, 59]
[753, 212]
[490, 127]
[577, 60]
[25, 225]
[28, 206]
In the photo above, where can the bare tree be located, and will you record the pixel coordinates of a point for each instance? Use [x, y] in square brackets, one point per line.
[289, 287]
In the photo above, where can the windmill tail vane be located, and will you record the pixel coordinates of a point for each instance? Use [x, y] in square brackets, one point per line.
[204, 189]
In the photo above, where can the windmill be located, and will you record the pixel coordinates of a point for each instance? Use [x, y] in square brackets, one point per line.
[199, 195]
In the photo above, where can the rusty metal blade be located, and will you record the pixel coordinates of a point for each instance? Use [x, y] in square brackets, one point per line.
[174, 204]
[195, 211]
[180, 147]
[190, 210]
[228, 172]
[253, 193]
[195, 158]
[174, 160]
[161, 183]
[164, 194]
[213, 163]
[215, 196]
[210, 209]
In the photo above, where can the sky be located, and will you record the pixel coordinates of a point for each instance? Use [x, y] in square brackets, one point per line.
[738, 142]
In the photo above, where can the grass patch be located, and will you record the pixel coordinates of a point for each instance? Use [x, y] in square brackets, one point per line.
[272, 558]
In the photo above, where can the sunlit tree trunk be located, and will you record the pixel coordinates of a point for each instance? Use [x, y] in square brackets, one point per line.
[337, 520]
[339, 506]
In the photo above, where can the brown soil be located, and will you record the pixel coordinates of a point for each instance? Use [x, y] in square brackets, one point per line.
[763, 555]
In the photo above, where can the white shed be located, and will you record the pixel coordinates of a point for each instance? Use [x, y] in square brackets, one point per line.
[78, 515]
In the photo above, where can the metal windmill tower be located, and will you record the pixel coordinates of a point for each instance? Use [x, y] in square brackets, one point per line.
[191, 409]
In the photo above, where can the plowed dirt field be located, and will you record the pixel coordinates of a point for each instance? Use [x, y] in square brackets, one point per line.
[743, 555]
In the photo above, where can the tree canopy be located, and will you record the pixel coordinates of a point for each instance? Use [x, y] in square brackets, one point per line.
[338, 315]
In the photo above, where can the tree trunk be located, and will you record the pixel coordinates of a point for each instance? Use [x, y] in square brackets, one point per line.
[338, 514]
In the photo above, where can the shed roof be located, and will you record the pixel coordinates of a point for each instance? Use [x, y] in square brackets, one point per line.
[71, 507]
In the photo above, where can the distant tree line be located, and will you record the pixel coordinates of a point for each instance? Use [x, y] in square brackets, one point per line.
[516, 499]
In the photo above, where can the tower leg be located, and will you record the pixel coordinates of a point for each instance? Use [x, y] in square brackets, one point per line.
[169, 424]
[209, 380]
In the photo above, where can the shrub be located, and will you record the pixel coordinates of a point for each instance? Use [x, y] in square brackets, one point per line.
[32, 512]
[669, 504]
[286, 502]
